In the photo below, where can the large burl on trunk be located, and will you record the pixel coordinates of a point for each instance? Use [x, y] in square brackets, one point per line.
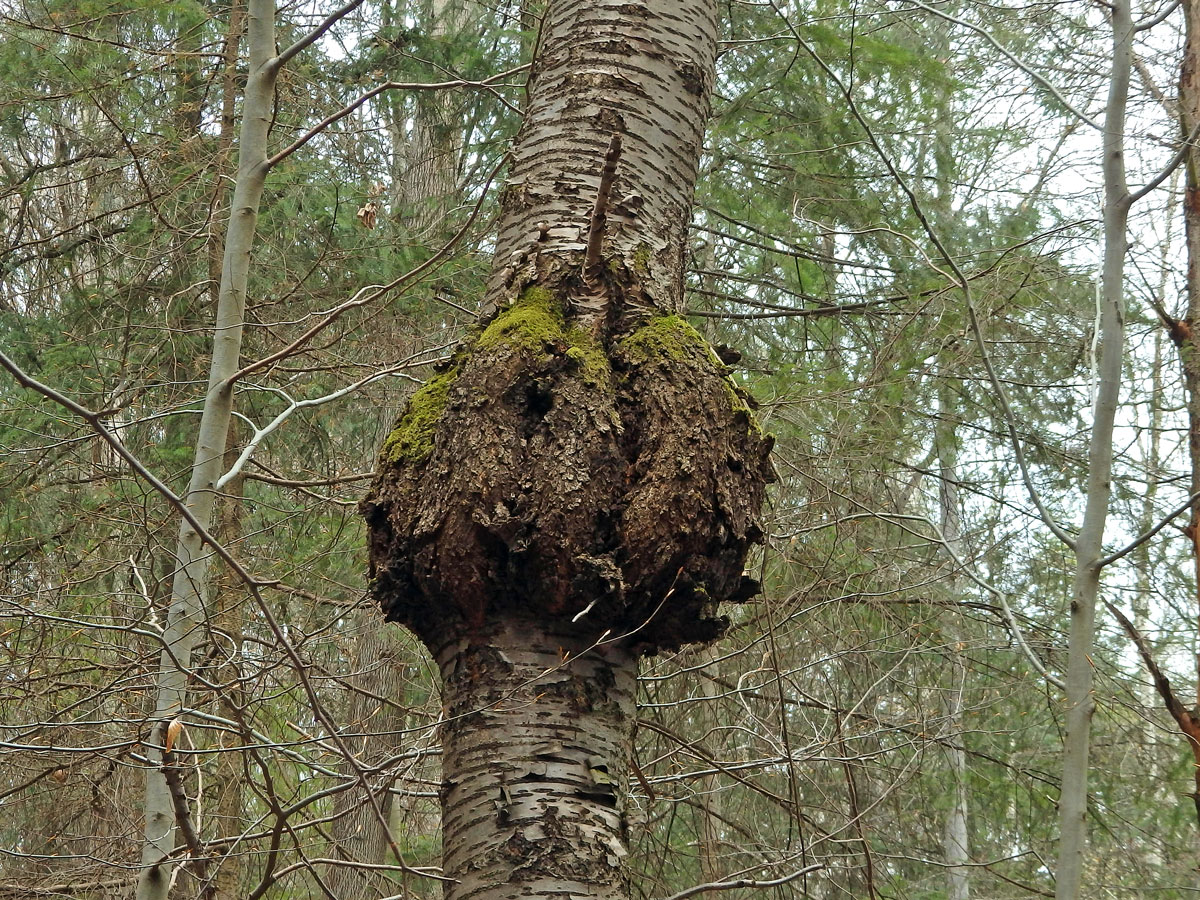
[581, 483]
[609, 481]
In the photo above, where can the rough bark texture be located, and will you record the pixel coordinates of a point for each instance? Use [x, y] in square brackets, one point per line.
[582, 482]
[547, 475]
[430, 181]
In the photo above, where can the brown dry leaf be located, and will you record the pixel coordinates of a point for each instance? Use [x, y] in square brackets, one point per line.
[173, 732]
[367, 214]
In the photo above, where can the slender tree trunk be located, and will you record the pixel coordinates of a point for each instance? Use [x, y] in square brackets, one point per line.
[1151, 855]
[428, 188]
[226, 782]
[712, 869]
[955, 839]
[189, 585]
[431, 180]
[373, 731]
[1080, 703]
[582, 482]
[955, 835]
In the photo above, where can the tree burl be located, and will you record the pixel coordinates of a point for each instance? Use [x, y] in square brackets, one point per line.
[607, 476]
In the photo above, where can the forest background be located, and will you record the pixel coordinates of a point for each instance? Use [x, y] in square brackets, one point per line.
[908, 224]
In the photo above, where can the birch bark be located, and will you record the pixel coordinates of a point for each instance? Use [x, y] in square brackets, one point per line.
[581, 484]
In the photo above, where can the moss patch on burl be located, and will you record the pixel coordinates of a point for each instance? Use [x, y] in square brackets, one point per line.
[412, 438]
[673, 337]
[533, 323]
[550, 473]
[665, 336]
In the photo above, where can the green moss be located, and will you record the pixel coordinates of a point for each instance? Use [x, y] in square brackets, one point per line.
[668, 336]
[412, 438]
[675, 338]
[641, 258]
[737, 402]
[533, 322]
[588, 356]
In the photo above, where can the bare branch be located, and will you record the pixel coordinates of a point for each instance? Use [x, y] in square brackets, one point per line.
[375, 92]
[744, 883]
[332, 19]
[1012, 58]
[1151, 532]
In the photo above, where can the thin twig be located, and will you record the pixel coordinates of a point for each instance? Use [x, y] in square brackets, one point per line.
[744, 883]
[375, 92]
[591, 259]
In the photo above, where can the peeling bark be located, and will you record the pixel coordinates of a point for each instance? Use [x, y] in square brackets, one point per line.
[644, 71]
[536, 744]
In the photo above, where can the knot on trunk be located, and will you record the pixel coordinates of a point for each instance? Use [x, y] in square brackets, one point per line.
[614, 482]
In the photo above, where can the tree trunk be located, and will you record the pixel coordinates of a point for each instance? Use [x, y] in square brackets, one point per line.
[712, 867]
[535, 750]
[1080, 703]
[1189, 108]
[955, 836]
[190, 583]
[431, 179]
[226, 784]
[375, 731]
[581, 483]
[1186, 336]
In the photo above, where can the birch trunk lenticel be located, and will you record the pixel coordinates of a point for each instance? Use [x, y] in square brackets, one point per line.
[190, 581]
[581, 483]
